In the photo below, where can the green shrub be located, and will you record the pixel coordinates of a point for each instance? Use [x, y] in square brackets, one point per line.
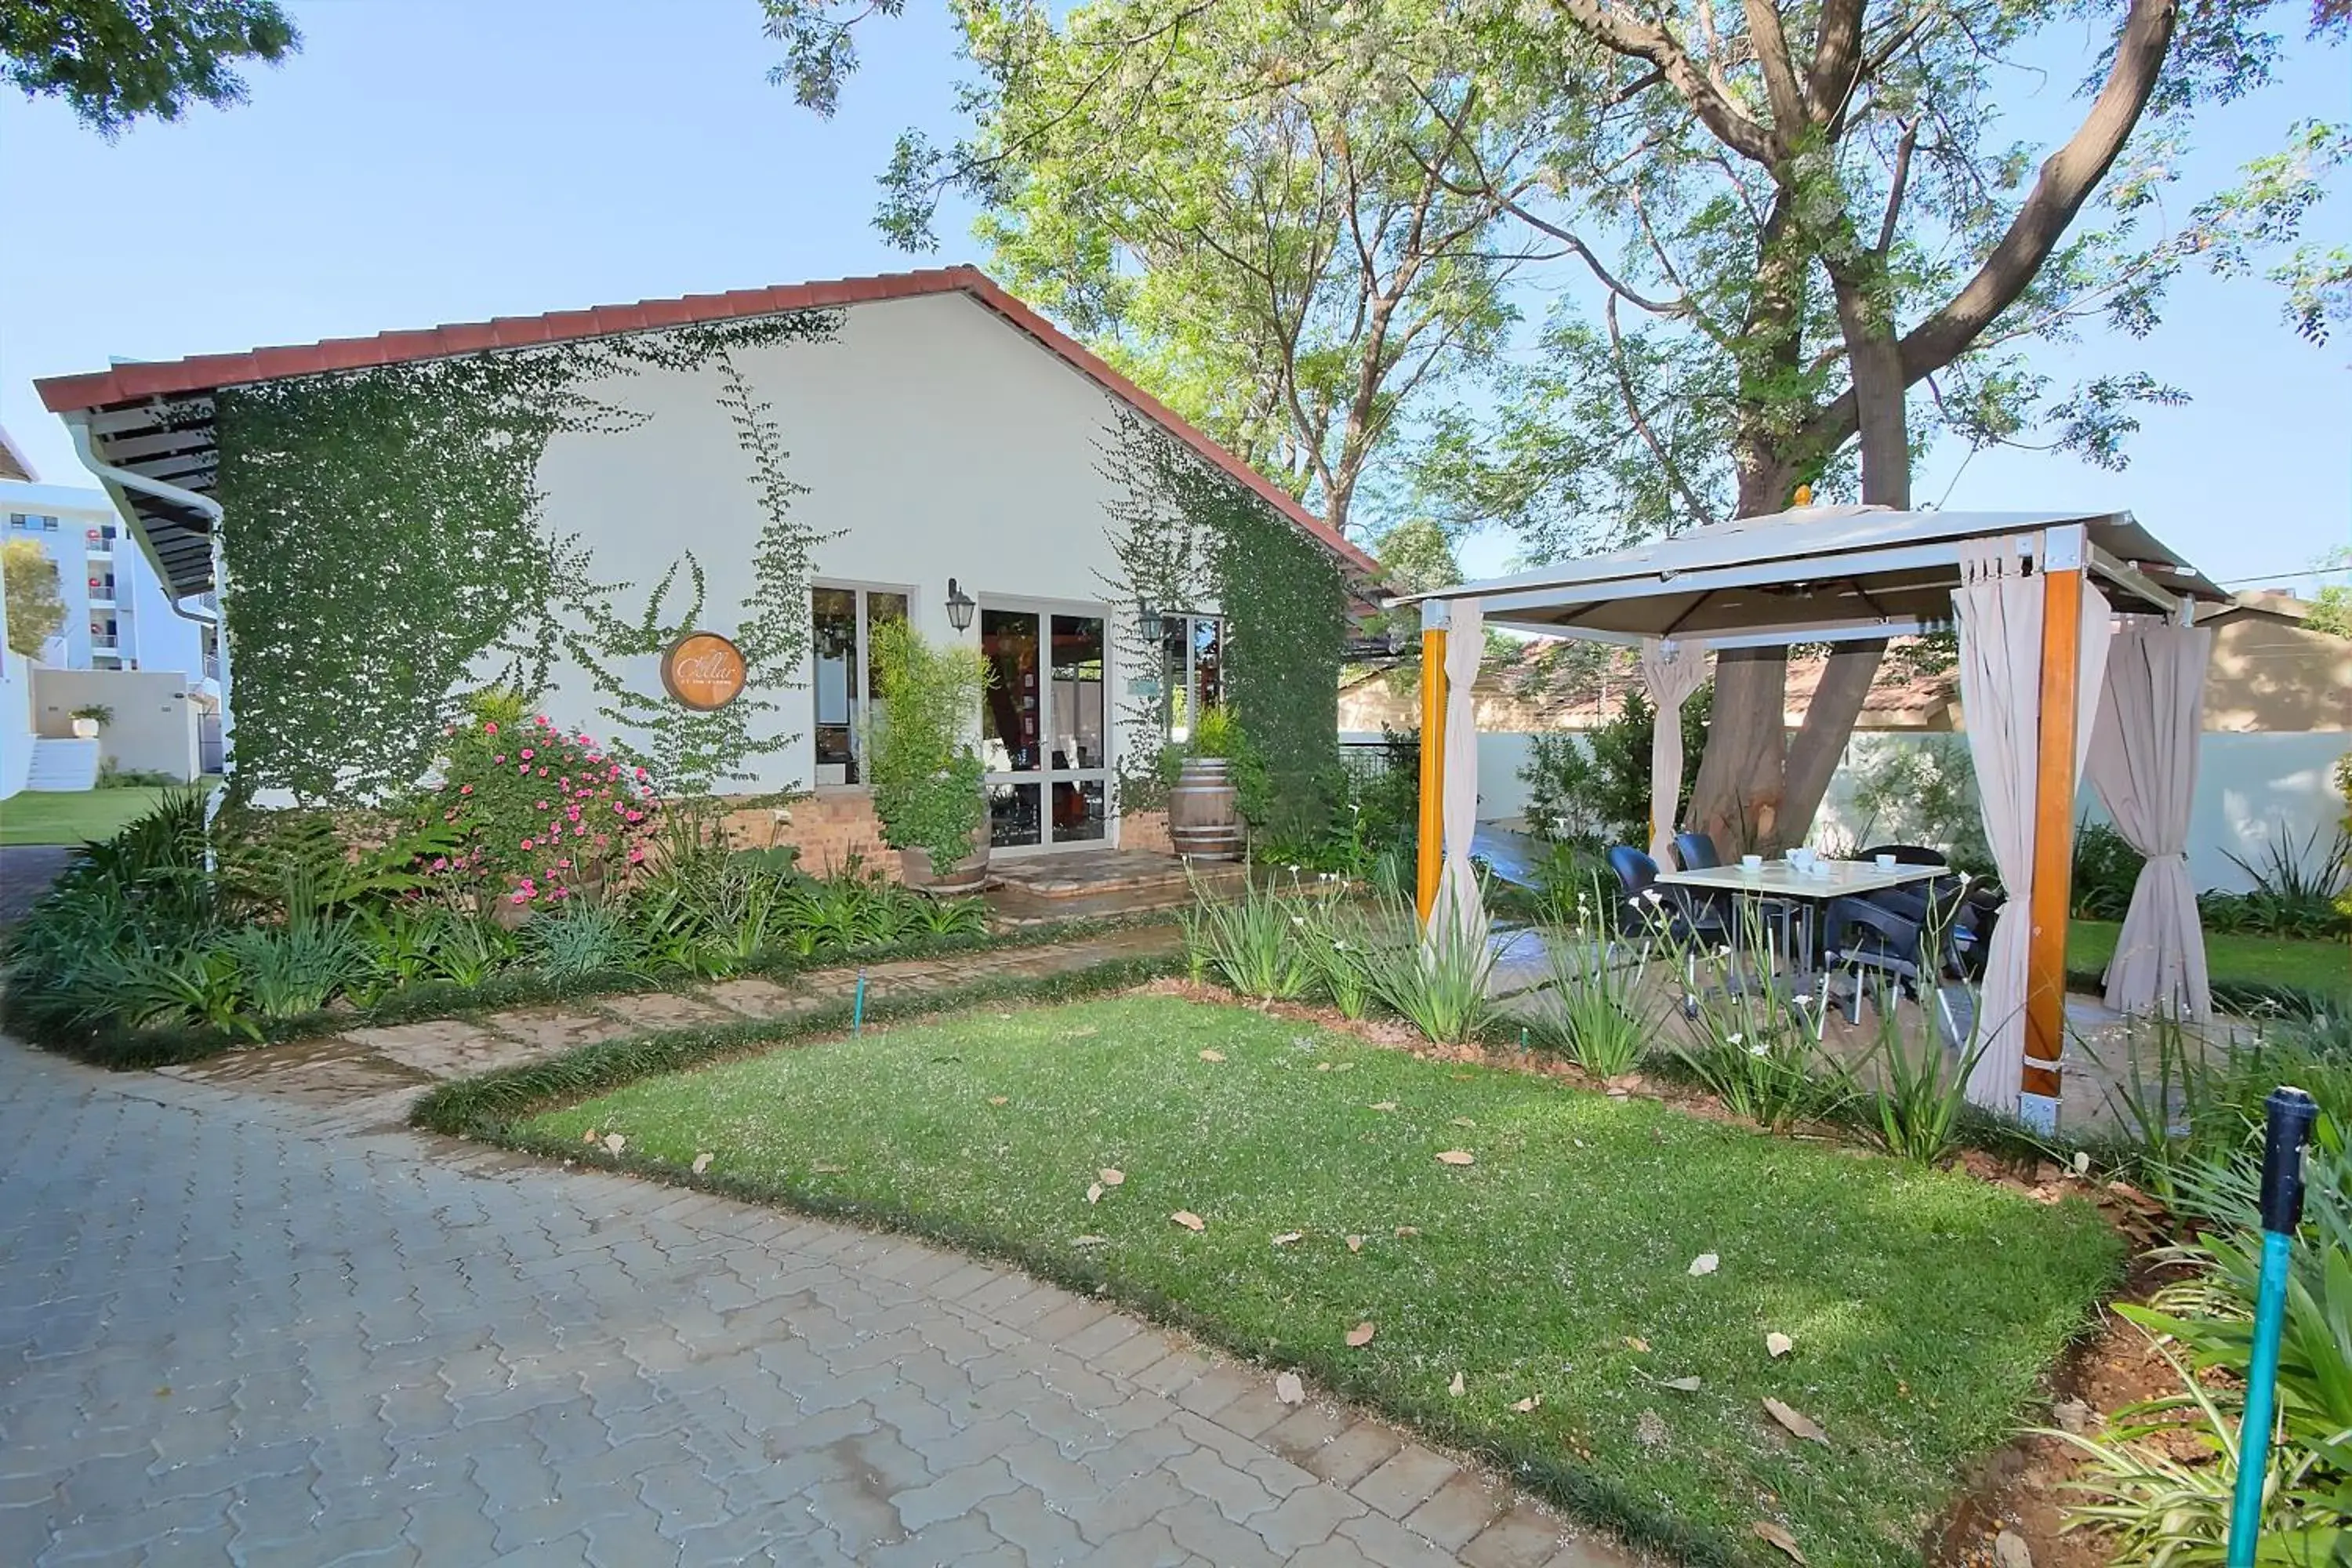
[1594, 789]
[1604, 1010]
[577, 939]
[2297, 891]
[925, 774]
[1923, 792]
[1248, 943]
[2106, 869]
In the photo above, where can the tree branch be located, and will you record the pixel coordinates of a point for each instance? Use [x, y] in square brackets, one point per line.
[1626, 35]
[1698, 514]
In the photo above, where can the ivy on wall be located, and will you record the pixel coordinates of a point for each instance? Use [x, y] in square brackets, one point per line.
[387, 554]
[1186, 535]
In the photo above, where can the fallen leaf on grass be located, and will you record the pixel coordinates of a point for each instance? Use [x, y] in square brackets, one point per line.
[702, 1162]
[1680, 1385]
[1454, 1388]
[1383, 1105]
[1360, 1335]
[1343, 1067]
[821, 1169]
[614, 1143]
[1093, 1192]
[1798, 1424]
[1110, 1175]
[1188, 1220]
[1355, 1243]
[1530, 1403]
[1405, 1230]
[1458, 1157]
[1704, 1263]
[1289, 1389]
[1288, 1237]
[1090, 1241]
[1213, 1055]
[1322, 1067]
[589, 1136]
[1772, 1534]
[1777, 1345]
[1636, 1342]
[1464, 1121]
[998, 1098]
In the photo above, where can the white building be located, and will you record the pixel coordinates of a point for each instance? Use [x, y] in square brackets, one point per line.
[116, 613]
[947, 450]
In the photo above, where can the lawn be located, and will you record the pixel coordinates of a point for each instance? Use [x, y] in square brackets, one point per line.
[1923, 1304]
[2323, 966]
[72, 816]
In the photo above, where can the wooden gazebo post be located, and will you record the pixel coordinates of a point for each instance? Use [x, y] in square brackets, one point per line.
[1429, 860]
[2054, 810]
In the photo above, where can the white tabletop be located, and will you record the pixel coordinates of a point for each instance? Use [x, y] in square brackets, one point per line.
[1784, 881]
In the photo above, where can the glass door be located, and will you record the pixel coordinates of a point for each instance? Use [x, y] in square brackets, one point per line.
[1044, 728]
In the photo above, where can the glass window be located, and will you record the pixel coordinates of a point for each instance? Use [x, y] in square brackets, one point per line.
[1193, 648]
[841, 654]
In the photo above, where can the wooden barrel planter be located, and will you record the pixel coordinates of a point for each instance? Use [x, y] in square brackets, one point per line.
[1204, 819]
[969, 875]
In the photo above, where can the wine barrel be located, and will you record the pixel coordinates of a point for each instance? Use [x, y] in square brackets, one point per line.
[968, 875]
[1204, 819]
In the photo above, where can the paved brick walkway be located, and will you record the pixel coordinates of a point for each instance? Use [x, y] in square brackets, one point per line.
[233, 1328]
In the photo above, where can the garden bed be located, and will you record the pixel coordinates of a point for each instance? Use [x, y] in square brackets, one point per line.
[1552, 1271]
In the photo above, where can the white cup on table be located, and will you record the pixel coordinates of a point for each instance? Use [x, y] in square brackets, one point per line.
[1751, 863]
[1886, 862]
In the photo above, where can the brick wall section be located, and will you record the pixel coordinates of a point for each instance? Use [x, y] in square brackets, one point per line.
[832, 825]
[828, 827]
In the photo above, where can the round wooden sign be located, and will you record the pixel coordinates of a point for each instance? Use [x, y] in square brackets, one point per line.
[703, 670]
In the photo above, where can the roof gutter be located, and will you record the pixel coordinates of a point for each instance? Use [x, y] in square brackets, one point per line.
[118, 480]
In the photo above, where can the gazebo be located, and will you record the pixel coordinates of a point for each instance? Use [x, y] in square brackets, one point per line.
[2077, 652]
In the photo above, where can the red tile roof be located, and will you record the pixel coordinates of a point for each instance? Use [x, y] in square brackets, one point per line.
[208, 373]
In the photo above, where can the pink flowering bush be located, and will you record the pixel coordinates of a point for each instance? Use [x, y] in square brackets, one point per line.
[548, 816]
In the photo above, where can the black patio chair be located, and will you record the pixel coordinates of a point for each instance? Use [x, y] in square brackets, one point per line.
[1875, 944]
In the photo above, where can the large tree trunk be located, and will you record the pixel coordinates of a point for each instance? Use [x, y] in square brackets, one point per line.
[1735, 799]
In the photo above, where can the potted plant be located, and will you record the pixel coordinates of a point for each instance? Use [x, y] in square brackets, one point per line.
[88, 720]
[1204, 819]
[925, 774]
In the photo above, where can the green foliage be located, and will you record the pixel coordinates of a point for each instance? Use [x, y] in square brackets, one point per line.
[98, 713]
[1215, 733]
[2298, 893]
[1923, 791]
[112, 775]
[2107, 870]
[1603, 1009]
[1921, 1096]
[577, 939]
[116, 62]
[36, 613]
[919, 758]
[1593, 789]
[1186, 536]
[1248, 943]
[2331, 611]
[385, 544]
[2160, 1477]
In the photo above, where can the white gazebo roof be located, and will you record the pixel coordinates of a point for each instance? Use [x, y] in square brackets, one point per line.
[1815, 573]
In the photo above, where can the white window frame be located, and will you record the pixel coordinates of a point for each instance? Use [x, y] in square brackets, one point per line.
[862, 663]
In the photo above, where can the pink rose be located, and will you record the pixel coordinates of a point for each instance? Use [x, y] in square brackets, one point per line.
[465, 789]
[488, 728]
[636, 856]
[500, 760]
[541, 805]
[527, 844]
[441, 863]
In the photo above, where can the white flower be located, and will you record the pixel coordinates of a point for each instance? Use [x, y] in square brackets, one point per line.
[1654, 895]
[1298, 920]
[1760, 1049]
[1735, 1039]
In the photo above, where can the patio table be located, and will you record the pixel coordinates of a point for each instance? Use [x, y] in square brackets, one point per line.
[1779, 879]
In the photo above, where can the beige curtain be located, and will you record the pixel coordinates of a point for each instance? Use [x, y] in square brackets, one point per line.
[2000, 611]
[1459, 914]
[2144, 765]
[1671, 672]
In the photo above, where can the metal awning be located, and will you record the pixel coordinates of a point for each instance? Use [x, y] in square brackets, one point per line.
[1811, 574]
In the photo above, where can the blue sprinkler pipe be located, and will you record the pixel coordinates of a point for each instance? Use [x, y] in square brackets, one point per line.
[857, 1009]
[2292, 1112]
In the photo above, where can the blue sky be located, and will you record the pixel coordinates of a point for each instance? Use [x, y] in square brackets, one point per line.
[432, 161]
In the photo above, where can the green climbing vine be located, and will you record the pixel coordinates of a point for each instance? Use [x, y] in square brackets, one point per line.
[388, 555]
[1186, 536]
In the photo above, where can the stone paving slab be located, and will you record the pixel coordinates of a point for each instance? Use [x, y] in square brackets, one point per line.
[235, 1329]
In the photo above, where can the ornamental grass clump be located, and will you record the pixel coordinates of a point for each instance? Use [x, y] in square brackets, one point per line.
[546, 815]
[1605, 1003]
[1253, 943]
[1752, 1040]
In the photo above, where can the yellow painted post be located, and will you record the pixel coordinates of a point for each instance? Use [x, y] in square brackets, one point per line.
[2054, 829]
[1431, 858]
